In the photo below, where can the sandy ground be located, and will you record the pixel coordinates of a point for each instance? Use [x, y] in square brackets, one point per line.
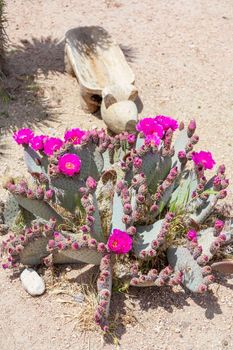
[181, 54]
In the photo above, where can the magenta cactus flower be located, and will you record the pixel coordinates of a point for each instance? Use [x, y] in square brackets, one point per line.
[119, 242]
[37, 142]
[153, 139]
[192, 235]
[74, 135]
[204, 159]
[23, 136]
[69, 164]
[149, 126]
[52, 144]
[166, 122]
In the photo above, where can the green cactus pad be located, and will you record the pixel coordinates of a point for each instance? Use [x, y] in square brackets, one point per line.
[183, 193]
[38, 208]
[34, 162]
[34, 252]
[180, 143]
[117, 214]
[97, 228]
[206, 238]
[11, 210]
[67, 191]
[145, 235]
[203, 210]
[181, 260]
[70, 256]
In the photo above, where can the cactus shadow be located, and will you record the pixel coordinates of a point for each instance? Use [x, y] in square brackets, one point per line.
[23, 101]
[209, 302]
[166, 298]
[169, 300]
[223, 280]
[119, 317]
[129, 52]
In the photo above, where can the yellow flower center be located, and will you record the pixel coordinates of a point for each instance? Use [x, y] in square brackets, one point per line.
[69, 165]
[115, 244]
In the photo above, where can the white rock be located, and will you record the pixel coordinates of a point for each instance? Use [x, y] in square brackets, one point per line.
[32, 282]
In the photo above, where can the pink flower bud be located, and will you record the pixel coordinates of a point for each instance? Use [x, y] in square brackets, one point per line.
[51, 244]
[92, 243]
[154, 244]
[19, 248]
[5, 266]
[22, 238]
[181, 125]
[202, 288]
[104, 293]
[191, 235]
[131, 138]
[222, 237]
[90, 220]
[206, 270]
[142, 254]
[120, 185]
[151, 252]
[169, 217]
[91, 183]
[217, 181]
[192, 125]
[49, 194]
[57, 236]
[134, 281]
[173, 173]
[221, 169]
[209, 279]
[182, 155]
[101, 248]
[126, 219]
[61, 245]
[137, 162]
[85, 229]
[154, 208]
[224, 183]
[75, 246]
[131, 230]
[214, 247]
[218, 225]
[127, 208]
[222, 194]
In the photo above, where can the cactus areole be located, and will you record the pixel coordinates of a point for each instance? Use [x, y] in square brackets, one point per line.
[113, 201]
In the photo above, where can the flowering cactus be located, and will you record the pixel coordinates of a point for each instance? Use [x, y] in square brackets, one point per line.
[94, 198]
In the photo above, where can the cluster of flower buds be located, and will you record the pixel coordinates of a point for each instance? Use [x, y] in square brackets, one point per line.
[22, 189]
[165, 227]
[14, 245]
[159, 238]
[87, 201]
[61, 242]
[104, 283]
[153, 278]
[145, 280]
[220, 182]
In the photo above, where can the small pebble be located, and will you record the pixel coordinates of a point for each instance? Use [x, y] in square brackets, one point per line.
[79, 298]
[225, 342]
